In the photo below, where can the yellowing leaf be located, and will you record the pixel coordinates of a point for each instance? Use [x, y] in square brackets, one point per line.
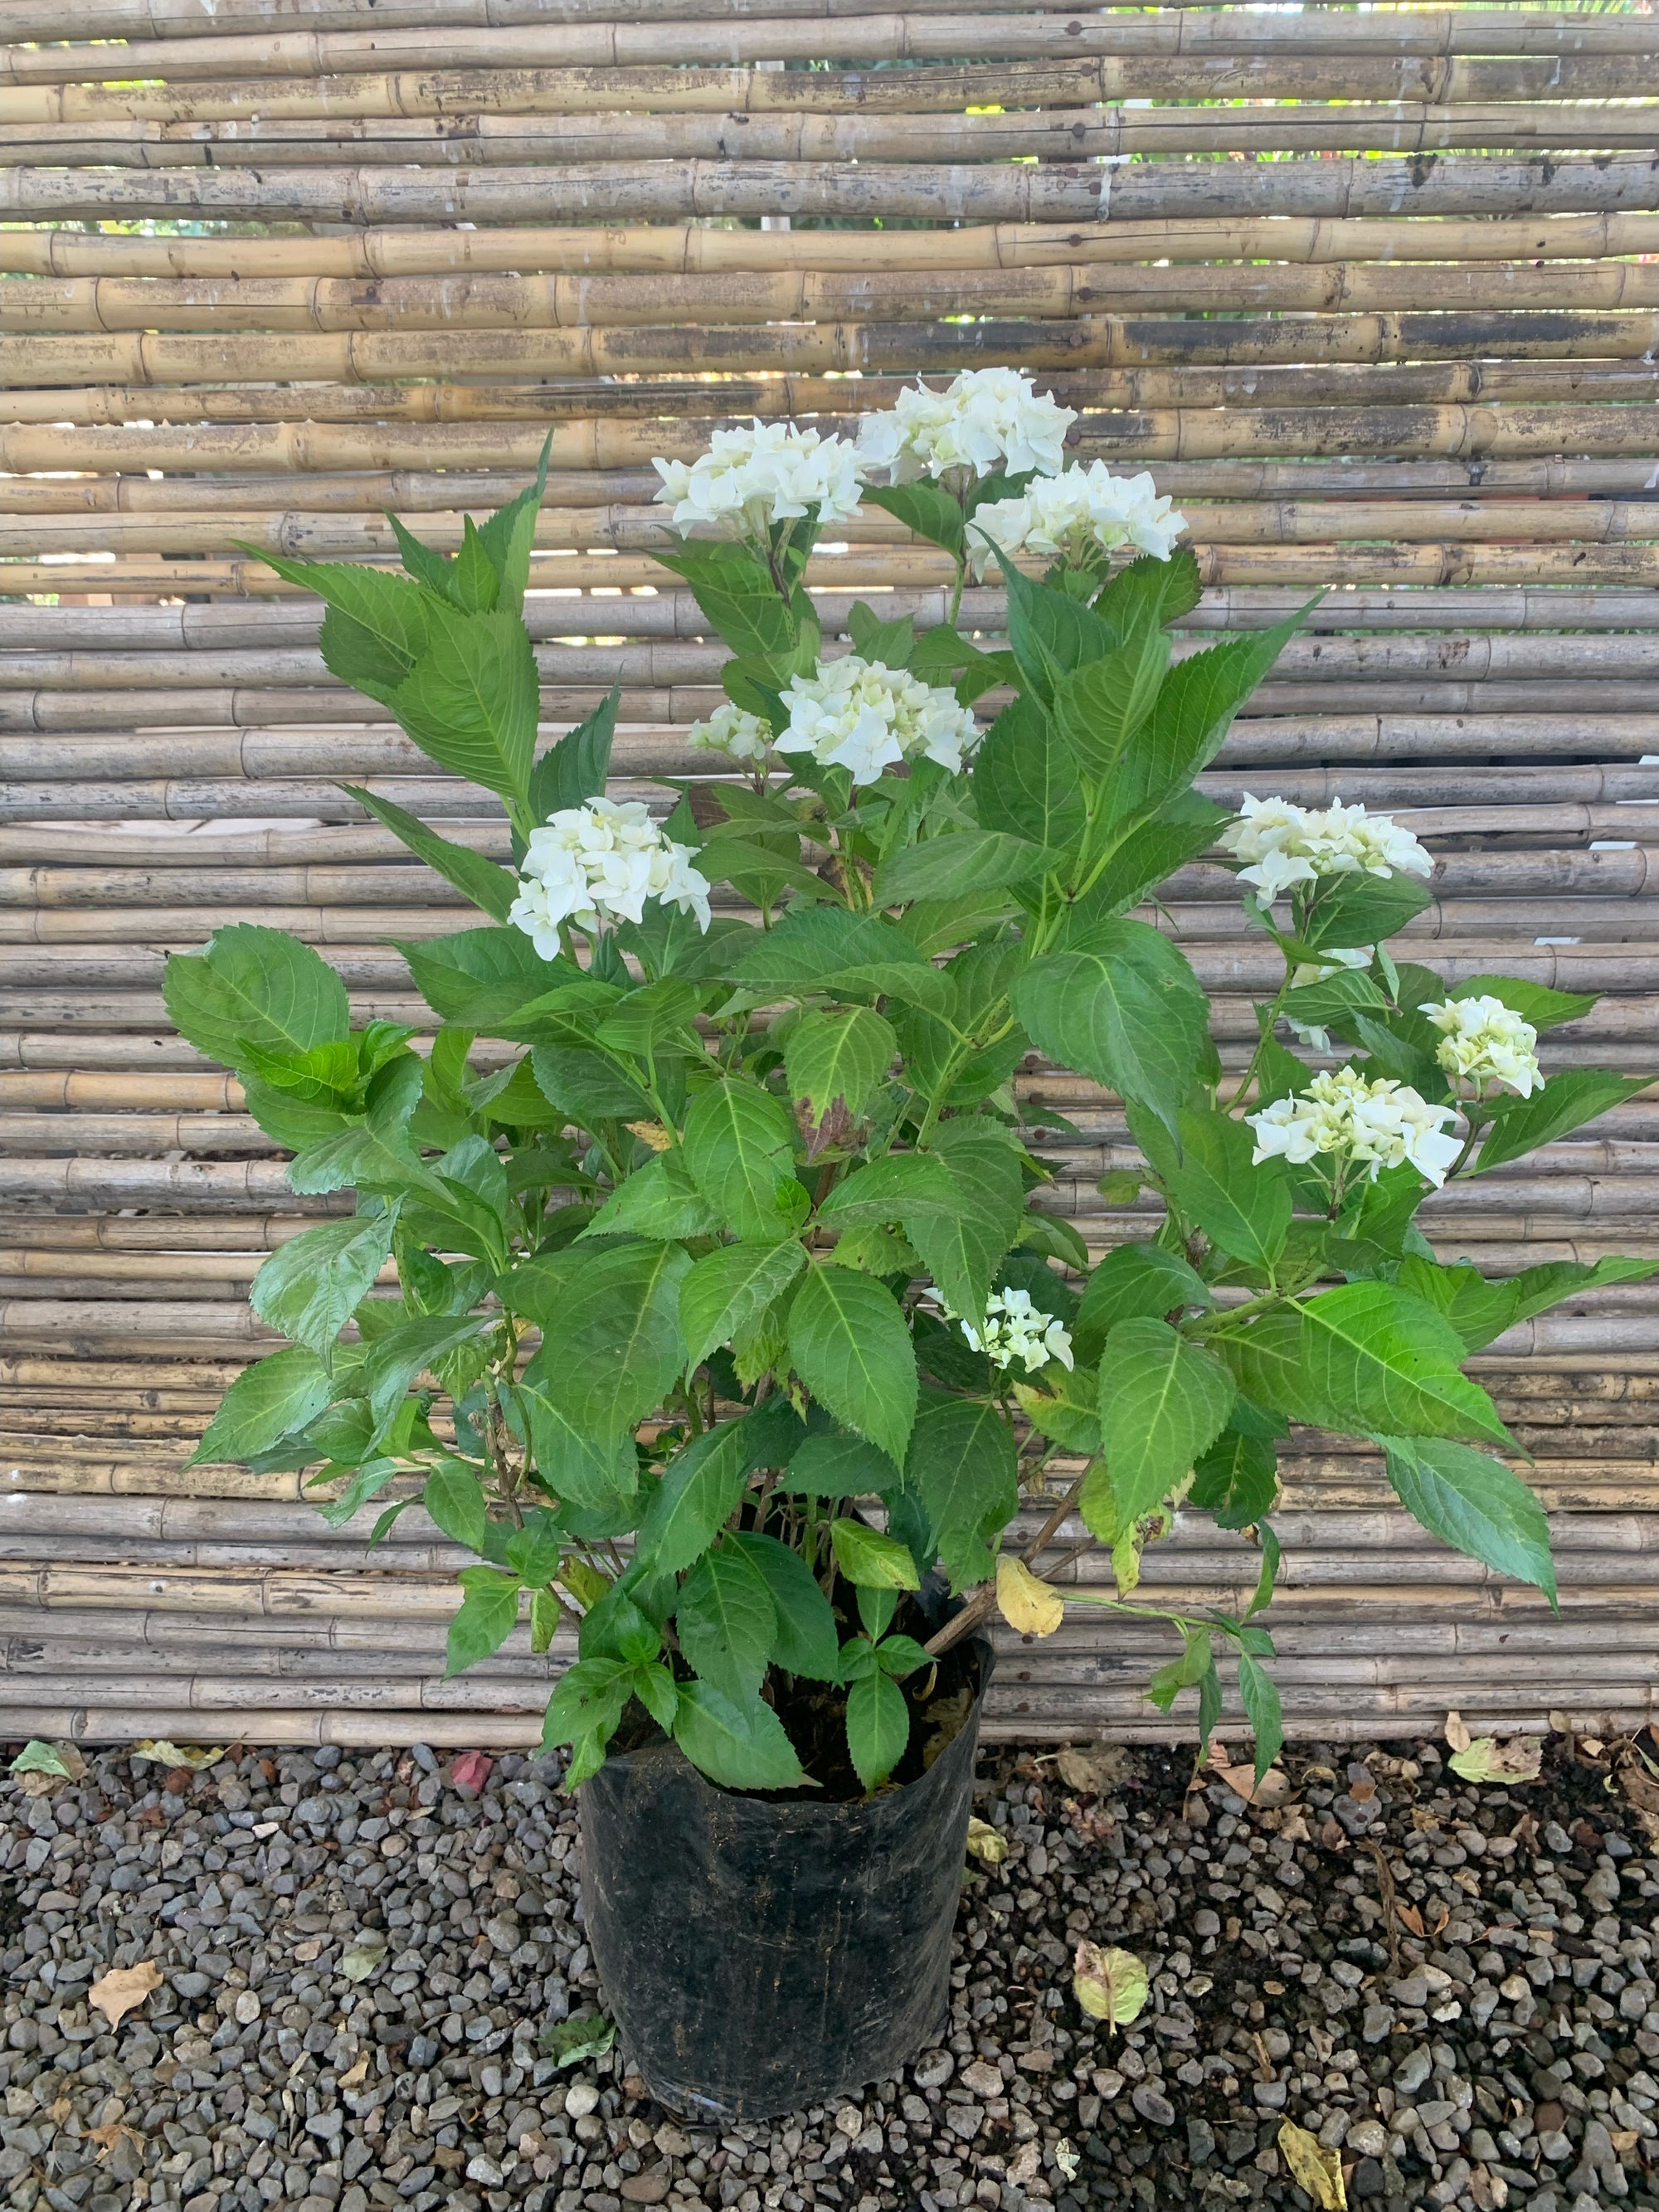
[987, 1843]
[116, 1993]
[1025, 1603]
[1094, 1771]
[1517, 1759]
[1455, 1734]
[1108, 1985]
[110, 2134]
[167, 1753]
[1313, 2167]
[364, 1956]
[652, 1134]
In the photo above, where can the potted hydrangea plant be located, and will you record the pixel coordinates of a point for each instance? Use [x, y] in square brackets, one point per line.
[731, 1329]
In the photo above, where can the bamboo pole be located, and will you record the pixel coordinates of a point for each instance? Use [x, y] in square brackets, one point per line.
[1447, 31]
[1093, 340]
[958, 273]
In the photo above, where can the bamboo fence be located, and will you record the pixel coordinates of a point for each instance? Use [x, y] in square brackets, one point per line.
[268, 267]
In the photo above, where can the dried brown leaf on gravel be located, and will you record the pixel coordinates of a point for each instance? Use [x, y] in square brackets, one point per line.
[117, 1992]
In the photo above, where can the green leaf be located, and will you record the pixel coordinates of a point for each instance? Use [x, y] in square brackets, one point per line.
[1350, 990]
[586, 1087]
[394, 1359]
[962, 1471]
[597, 1475]
[877, 1727]
[739, 1148]
[585, 2035]
[1362, 909]
[1098, 708]
[1134, 1280]
[1236, 1480]
[962, 1244]
[40, 1757]
[488, 1616]
[1129, 1011]
[1474, 1503]
[866, 1556]
[727, 1290]
[1163, 1401]
[891, 643]
[926, 508]
[454, 1501]
[962, 860]
[805, 1643]
[699, 1492]
[1025, 781]
[574, 770]
[1260, 1697]
[265, 1403]
[487, 885]
[509, 537]
[249, 986]
[1566, 1104]
[895, 1187]
[588, 1700]
[824, 948]
[842, 1057]
[1050, 633]
[473, 585]
[849, 1344]
[1151, 590]
[470, 702]
[735, 588]
[1192, 714]
[534, 1551]
[1245, 1209]
[832, 1465]
[376, 626]
[739, 1746]
[1375, 1359]
[310, 1287]
[726, 1622]
[480, 977]
[1184, 827]
[614, 1316]
[1534, 1002]
[659, 1200]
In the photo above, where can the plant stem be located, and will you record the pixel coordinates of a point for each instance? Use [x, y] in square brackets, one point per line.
[983, 1602]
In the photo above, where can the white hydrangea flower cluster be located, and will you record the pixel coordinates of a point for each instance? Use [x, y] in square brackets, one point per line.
[1487, 1041]
[732, 730]
[1068, 518]
[1015, 1328]
[988, 418]
[1317, 971]
[1286, 845]
[600, 862]
[1375, 1124]
[862, 715]
[769, 472]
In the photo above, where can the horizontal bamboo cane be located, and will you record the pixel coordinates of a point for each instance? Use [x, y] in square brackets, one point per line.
[1304, 659]
[1447, 31]
[1097, 341]
[208, 627]
[46, 314]
[1305, 568]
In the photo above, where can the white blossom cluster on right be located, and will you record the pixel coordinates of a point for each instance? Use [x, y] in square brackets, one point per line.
[1366, 1121]
[1065, 518]
[1283, 845]
[1486, 1041]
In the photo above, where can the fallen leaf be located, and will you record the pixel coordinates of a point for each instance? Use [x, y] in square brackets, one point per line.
[1273, 1788]
[1108, 1985]
[195, 1756]
[107, 2136]
[1483, 1758]
[1067, 2159]
[652, 1134]
[41, 1769]
[987, 1843]
[364, 1956]
[1094, 1771]
[1024, 1602]
[1441, 1920]
[1623, 2139]
[357, 2074]
[584, 2035]
[471, 1770]
[1409, 1916]
[117, 1992]
[1313, 2167]
[1455, 1732]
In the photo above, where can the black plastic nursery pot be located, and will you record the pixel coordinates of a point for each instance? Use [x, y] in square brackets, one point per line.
[761, 1954]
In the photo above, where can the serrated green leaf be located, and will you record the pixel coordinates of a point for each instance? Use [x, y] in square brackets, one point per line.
[849, 1344]
[489, 1614]
[1129, 1011]
[1163, 1401]
[877, 1727]
[470, 702]
[867, 1557]
[255, 986]
[739, 1149]
[843, 1056]
[739, 1746]
[1474, 1503]
[311, 1286]
[1566, 1102]
[265, 1403]
[726, 1622]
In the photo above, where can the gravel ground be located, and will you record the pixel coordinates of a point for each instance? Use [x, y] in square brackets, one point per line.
[1506, 2056]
